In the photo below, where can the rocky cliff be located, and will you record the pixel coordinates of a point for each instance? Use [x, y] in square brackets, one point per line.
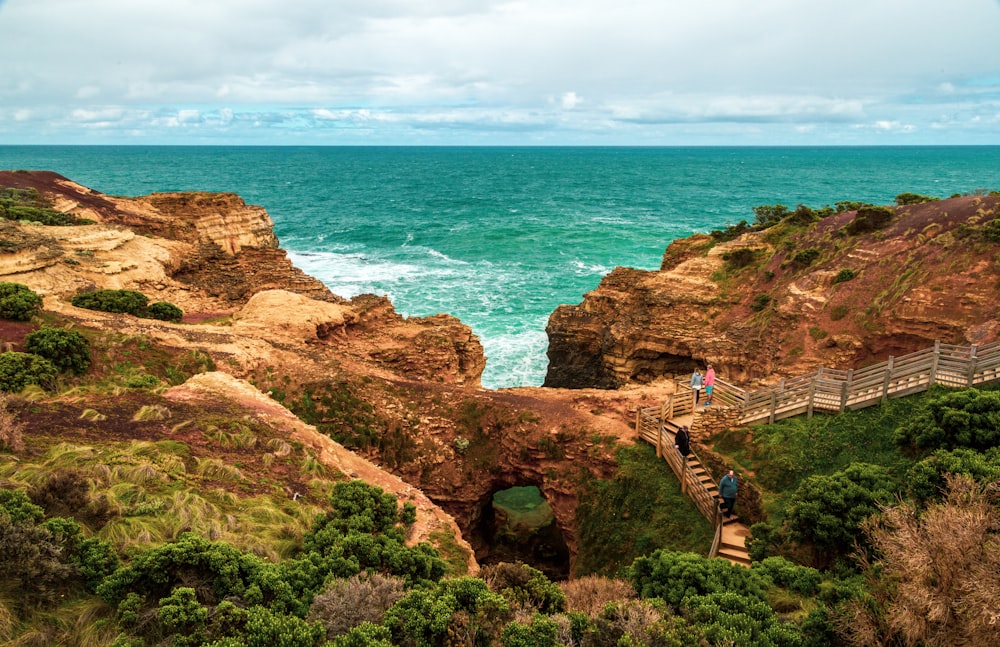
[840, 291]
[402, 392]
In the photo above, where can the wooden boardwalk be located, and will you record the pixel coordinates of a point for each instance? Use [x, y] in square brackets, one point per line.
[826, 390]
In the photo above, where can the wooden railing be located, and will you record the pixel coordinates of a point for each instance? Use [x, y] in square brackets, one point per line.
[656, 425]
[837, 390]
[831, 390]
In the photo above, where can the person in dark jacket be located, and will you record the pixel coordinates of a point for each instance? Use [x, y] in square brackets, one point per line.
[728, 488]
[682, 441]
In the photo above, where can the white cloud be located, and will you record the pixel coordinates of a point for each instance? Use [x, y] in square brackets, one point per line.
[490, 67]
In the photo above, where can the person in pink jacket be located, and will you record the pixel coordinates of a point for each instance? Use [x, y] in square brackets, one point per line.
[709, 384]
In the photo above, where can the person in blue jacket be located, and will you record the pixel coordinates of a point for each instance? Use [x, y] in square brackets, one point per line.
[728, 488]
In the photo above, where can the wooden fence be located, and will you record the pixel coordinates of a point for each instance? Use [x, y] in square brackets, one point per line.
[836, 390]
[657, 426]
[827, 389]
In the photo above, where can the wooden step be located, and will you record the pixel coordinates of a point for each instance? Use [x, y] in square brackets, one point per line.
[737, 557]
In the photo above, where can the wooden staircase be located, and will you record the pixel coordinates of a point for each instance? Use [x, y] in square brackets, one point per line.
[699, 485]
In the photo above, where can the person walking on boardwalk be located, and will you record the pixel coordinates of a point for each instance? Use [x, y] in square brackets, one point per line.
[682, 441]
[728, 488]
[696, 383]
[709, 384]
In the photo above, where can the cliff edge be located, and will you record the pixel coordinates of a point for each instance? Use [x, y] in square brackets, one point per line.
[841, 291]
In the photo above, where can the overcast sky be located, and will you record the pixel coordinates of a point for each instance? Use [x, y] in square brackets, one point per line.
[478, 72]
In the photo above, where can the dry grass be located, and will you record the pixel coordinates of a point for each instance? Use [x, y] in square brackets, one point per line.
[346, 603]
[590, 594]
[11, 428]
[938, 579]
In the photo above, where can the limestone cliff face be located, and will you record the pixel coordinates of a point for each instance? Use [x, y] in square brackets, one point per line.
[782, 301]
[213, 255]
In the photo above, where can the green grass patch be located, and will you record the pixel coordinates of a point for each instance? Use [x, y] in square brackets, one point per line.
[639, 510]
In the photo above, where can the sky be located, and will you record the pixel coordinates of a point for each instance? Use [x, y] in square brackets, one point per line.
[485, 72]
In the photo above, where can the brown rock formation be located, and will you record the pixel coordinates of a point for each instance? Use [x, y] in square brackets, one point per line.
[757, 307]
[411, 384]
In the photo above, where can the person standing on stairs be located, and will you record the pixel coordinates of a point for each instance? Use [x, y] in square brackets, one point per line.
[682, 441]
[709, 384]
[728, 488]
[696, 383]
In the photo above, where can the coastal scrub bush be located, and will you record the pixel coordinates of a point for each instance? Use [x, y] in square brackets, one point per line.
[768, 215]
[728, 618]
[29, 205]
[803, 215]
[347, 603]
[806, 257]
[18, 370]
[913, 198]
[523, 585]
[120, 301]
[18, 302]
[731, 232]
[826, 511]
[967, 418]
[463, 605]
[164, 311]
[843, 275]
[925, 480]
[760, 302]
[68, 350]
[673, 576]
[869, 218]
[739, 258]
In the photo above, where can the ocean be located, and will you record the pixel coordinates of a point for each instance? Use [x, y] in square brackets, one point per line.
[500, 236]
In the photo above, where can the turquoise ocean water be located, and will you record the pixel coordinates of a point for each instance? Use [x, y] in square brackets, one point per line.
[500, 236]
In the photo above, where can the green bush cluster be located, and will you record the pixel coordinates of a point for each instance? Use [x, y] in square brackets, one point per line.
[960, 419]
[18, 370]
[127, 302]
[68, 350]
[760, 302]
[28, 205]
[913, 198]
[18, 302]
[806, 257]
[869, 218]
[843, 275]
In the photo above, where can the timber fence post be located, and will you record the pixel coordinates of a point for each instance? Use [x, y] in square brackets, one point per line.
[972, 365]
[888, 377]
[935, 360]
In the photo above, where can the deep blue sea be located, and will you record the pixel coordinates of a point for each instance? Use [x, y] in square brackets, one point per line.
[499, 237]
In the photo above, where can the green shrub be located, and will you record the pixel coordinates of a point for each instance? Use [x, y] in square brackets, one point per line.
[164, 311]
[427, 616]
[869, 218]
[914, 198]
[760, 302]
[68, 350]
[739, 258]
[18, 302]
[991, 231]
[731, 232]
[728, 618]
[803, 215]
[673, 576]
[523, 585]
[767, 215]
[789, 575]
[18, 370]
[968, 418]
[827, 511]
[925, 481]
[806, 257]
[120, 301]
[844, 275]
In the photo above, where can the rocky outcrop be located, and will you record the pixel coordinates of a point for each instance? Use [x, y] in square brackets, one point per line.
[782, 301]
